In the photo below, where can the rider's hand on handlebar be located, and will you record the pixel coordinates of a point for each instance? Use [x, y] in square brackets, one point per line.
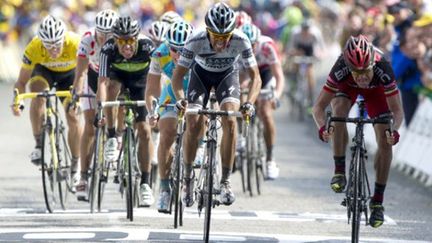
[153, 120]
[275, 103]
[392, 138]
[247, 109]
[181, 105]
[17, 109]
[324, 134]
[73, 105]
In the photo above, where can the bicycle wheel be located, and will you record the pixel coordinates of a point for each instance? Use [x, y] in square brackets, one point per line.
[251, 155]
[177, 177]
[356, 203]
[241, 162]
[64, 165]
[95, 170]
[49, 174]
[128, 163]
[208, 198]
[259, 162]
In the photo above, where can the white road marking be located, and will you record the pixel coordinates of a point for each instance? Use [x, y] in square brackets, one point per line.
[116, 215]
[122, 234]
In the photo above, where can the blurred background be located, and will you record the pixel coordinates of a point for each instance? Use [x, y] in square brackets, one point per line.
[401, 29]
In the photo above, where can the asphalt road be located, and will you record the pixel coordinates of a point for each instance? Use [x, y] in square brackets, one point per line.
[297, 207]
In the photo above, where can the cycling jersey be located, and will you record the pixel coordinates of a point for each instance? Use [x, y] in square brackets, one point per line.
[383, 76]
[134, 68]
[306, 45]
[36, 53]
[199, 49]
[89, 48]
[266, 55]
[162, 63]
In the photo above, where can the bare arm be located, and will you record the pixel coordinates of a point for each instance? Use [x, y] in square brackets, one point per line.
[153, 89]
[276, 69]
[395, 106]
[254, 84]
[319, 107]
[80, 71]
[102, 86]
[23, 78]
[177, 81]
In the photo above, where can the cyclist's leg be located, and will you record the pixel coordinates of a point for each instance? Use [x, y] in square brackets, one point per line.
[341, 106]
[228, 95]
[376, 105]
[167, 129]
[39, 82]
[111, 149]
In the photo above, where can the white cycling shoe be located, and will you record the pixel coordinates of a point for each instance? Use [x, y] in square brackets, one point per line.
[272, 170]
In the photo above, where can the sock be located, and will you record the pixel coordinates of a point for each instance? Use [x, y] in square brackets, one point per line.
[165, 185]
[84, 176]
[339, 164]
[145, 178]
[270, 153]
[188, 170]
[378, 196]
[226, 172]
[111, 132]
[74, 164]
[38, 139]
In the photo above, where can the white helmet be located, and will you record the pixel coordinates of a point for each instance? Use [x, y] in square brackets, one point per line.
[158, 31]
[105, 19]
[51, 30]
[170, 17]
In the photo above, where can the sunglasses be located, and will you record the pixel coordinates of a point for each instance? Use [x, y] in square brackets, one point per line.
[219, 37]
[50, 46]
[129, 41]
[175, 49]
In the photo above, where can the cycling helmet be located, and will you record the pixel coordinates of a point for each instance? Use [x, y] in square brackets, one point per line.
[178, 33]
[252, 32]
[242, 18]
[170, 17]
[359, 53]
[105, 19]
[126, 27]
[220, 18]
[51, 30]
[158, 31]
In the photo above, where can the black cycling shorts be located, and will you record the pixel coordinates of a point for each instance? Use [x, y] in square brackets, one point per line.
[59, 80]
[136, 86]
[92, 79]
[226, 85]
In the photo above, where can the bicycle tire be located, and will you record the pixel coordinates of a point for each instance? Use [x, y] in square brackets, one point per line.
[241, 158]
[94, 178]
[103, 172]
[177, 185]
[258, 165]
[48, 174]
[209, 189]
[129, 185]
[251, 155]
[64, 165]
[356, 205]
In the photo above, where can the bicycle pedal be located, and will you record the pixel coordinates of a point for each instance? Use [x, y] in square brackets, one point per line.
[83, 199]
[104, 179]
[216, 203]
[344, 203]
[116, 180]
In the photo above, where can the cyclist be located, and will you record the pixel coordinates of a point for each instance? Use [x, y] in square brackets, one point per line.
[124, 63]
[272, 77]
[88, 60]
[170, 17]
[158, 31]
[49, 61]
[242, 18]
[361, 70]
[307, 41]
[211, 55]
[164, 59]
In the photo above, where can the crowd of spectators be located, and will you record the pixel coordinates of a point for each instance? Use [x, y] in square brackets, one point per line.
[401, 29]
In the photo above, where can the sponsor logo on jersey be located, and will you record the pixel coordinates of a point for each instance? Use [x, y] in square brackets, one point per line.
[26, 60]
[187, 53]
[219, 62]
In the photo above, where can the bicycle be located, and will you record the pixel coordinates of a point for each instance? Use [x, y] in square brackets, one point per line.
[300, 97]
[56, 156]
[357, 193]
[128, 172]
[209, 174]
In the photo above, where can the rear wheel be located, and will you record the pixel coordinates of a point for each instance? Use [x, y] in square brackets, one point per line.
[94, 190]
[356, 205]
[208, 194]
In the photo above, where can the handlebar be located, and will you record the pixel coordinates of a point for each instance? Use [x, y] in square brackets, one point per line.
[31, 95]
[129, 103]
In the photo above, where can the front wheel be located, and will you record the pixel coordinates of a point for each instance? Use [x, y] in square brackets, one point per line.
[356, 198]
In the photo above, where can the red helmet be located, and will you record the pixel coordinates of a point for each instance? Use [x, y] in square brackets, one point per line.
[359, 53]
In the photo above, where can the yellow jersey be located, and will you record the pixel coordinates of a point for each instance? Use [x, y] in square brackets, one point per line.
[36, 53]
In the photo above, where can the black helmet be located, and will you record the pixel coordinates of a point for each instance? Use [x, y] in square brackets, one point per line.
[126, 27]
[220, 19]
